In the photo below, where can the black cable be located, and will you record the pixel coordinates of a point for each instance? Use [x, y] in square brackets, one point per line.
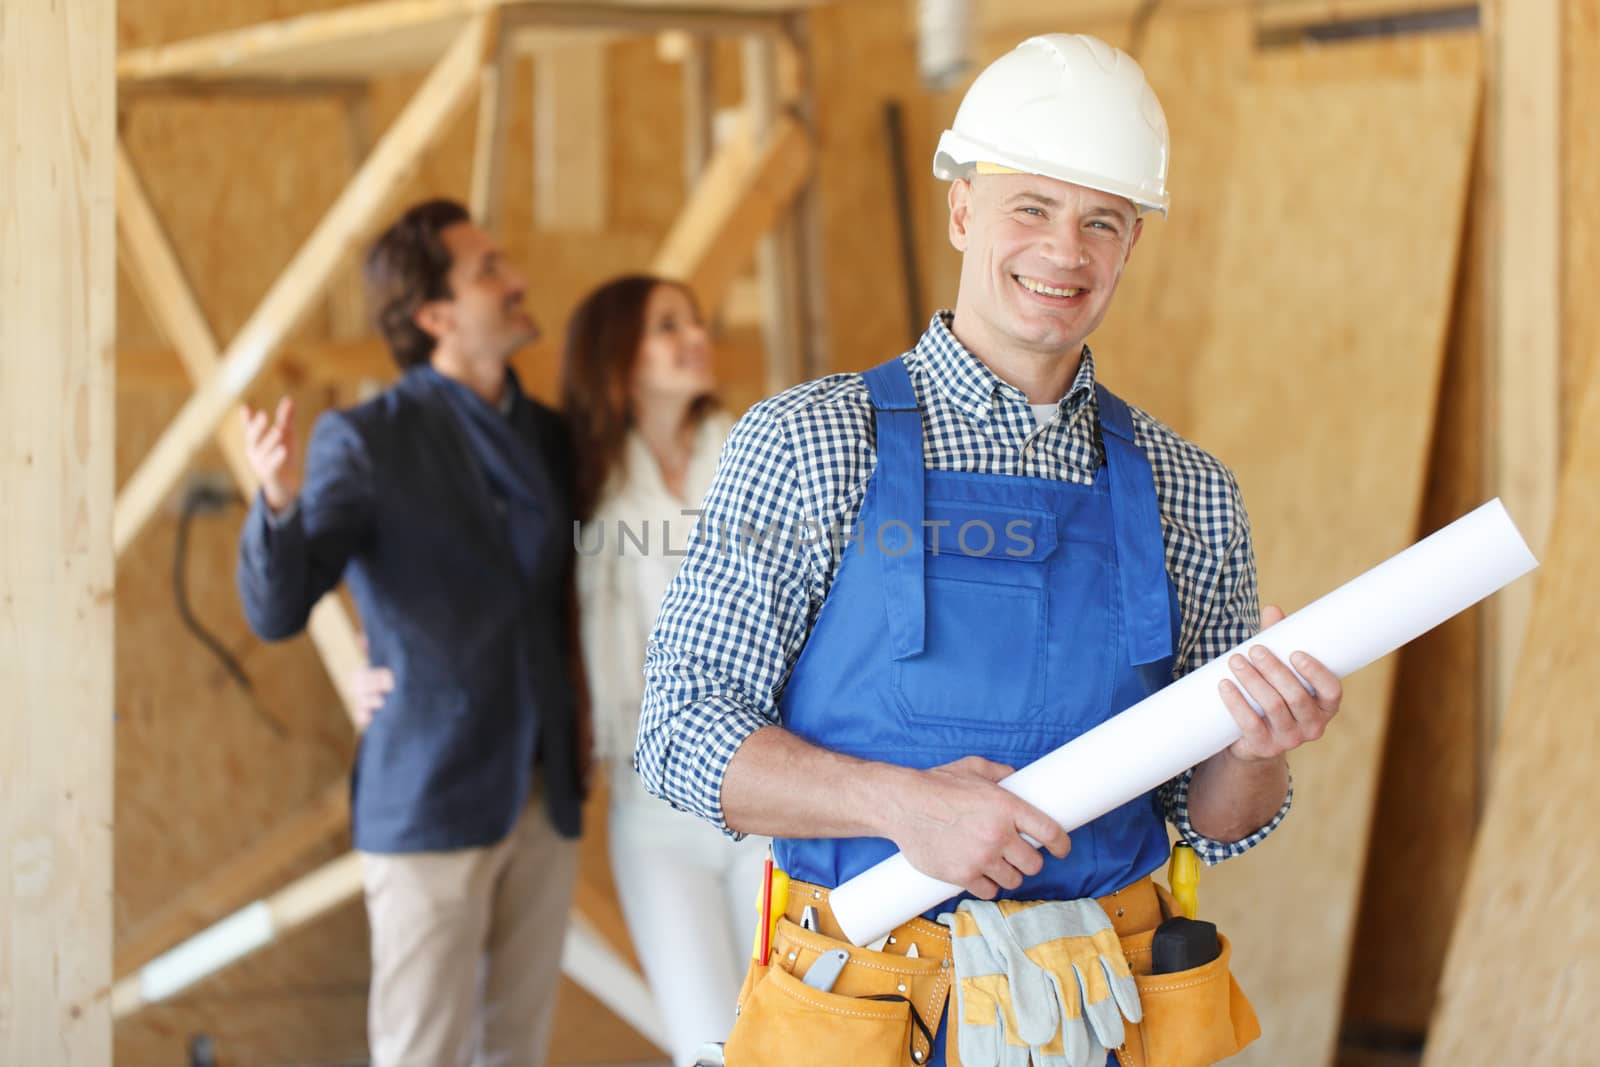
[196, 501]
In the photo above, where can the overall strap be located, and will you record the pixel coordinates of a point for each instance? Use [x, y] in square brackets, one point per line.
[1136, 524]
[898, 484]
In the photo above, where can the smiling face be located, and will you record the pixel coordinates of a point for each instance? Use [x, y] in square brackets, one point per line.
[484, 320]
[674, 361]
[1041, 259]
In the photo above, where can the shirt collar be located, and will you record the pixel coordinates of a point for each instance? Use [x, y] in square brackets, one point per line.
[974, 388]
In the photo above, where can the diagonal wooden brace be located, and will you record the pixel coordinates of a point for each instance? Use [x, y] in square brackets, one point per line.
[447, 87]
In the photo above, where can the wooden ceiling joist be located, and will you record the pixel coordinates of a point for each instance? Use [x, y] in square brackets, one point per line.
[355, 44]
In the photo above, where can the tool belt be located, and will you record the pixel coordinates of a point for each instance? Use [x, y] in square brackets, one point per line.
[885, 1006]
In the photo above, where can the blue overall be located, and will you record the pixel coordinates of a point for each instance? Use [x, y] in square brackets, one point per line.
[989, 615]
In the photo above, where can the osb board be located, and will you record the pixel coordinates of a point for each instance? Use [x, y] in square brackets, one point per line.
[1523, 971]
[201, 773]
[864, 55]
[1432, 781]
[1317, 384]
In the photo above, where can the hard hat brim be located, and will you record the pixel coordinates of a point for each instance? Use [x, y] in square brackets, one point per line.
[958, 156]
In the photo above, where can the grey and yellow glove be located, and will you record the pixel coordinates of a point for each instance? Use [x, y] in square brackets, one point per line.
[1068, 983]
[984, 1026]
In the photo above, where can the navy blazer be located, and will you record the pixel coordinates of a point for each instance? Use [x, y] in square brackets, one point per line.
[395, 502]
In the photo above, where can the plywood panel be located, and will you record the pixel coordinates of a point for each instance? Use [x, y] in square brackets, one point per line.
[1165, 305]
[1524, 965]
[862, 55]
[1432, 782]
[1522, 108]
[1318, 384]
[57, 321]
[1580, 186]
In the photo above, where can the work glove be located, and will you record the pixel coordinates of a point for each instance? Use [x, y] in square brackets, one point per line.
[1069, 984]
[985, 1028]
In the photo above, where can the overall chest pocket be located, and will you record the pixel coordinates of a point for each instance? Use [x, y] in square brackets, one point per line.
[987, 616]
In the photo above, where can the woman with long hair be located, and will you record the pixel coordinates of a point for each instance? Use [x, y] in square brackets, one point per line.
[637, 390]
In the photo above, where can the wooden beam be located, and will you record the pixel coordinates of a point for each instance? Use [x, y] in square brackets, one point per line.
[363, 41]
[738, 18]
[777, 254]
[57, 443]
[699, 105]
[489, 148]
[301, 362]
[152, 266]
[242, 934]
[359, 41]
[571, 170]
[339, 232]
[1523, 319]
[240, 880]
[743, 192]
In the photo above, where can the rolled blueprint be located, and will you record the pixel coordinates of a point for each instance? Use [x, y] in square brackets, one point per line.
[1186, 723]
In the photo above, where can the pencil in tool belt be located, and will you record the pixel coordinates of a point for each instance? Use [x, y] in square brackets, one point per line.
[764, 934]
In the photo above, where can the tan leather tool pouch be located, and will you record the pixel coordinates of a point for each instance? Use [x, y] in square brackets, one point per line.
[1191, 1018]
[881, 1012]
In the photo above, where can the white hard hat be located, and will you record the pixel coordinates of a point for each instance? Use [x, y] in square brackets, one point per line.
[1064, 106]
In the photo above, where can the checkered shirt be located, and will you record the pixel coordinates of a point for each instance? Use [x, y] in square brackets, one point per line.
[734, 620]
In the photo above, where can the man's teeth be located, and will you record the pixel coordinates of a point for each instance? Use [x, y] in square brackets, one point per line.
[1047, 290]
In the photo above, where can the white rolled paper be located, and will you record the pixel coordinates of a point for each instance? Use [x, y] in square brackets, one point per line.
[1186, 723]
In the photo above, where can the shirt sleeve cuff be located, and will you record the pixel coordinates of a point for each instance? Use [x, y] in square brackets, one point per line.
[690, 778]
[276, 520]
[1175, 795]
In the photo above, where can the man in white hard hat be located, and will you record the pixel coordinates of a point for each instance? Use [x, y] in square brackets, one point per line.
[907, 582]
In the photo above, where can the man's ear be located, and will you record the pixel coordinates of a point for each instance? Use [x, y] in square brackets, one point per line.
[433, 318]
[1138, 229]
[960, 212]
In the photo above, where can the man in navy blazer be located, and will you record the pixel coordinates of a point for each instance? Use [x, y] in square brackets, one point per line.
[445, 504]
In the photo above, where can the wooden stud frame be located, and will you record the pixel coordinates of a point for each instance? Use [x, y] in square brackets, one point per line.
[744, 190]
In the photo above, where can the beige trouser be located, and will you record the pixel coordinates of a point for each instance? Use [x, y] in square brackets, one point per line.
[466, 949]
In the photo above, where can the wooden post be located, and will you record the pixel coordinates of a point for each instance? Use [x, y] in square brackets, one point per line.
[57, 327]
[295, 291]
[777, 255]
[489, 150]
[570, 163]
[699, 103]
[1523, 314]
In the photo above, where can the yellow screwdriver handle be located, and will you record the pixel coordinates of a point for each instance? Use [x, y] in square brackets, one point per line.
[1183, 875]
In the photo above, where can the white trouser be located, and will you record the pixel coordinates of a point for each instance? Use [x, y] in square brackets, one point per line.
[689, 895]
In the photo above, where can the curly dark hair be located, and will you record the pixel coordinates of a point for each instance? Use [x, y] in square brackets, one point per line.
[407, 266]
